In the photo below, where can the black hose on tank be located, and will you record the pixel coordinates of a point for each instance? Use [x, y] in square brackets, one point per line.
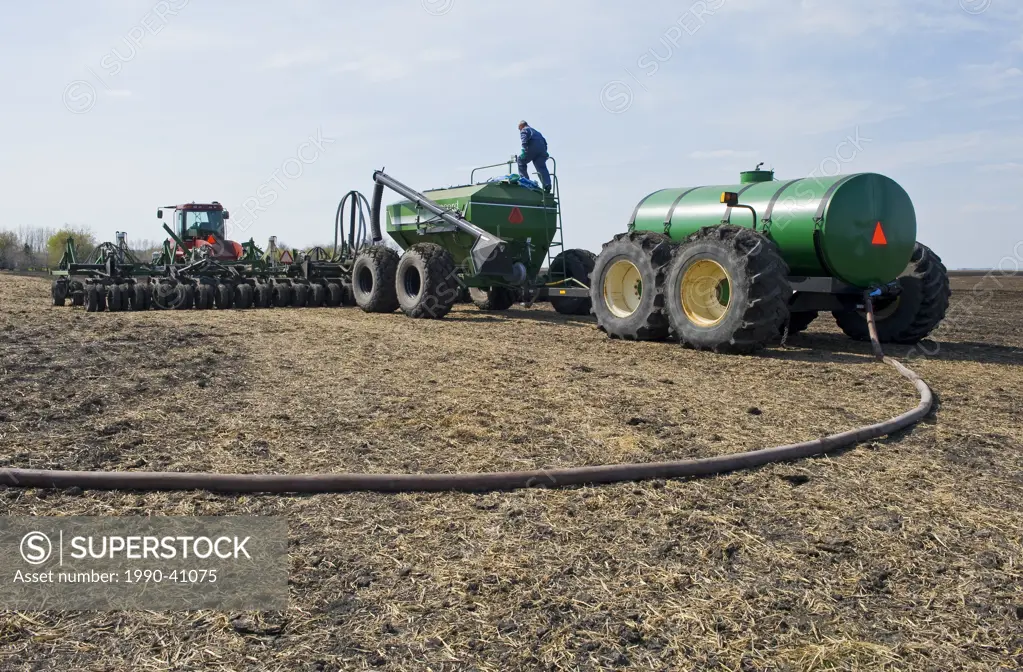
[374, 212]
[356, 225]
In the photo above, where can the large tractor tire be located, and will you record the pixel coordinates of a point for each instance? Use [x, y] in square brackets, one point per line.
[373, 279]
[425, 282]
[727, 290]
[915, 312]
[627, 290]
[578, 264]
[493, 299]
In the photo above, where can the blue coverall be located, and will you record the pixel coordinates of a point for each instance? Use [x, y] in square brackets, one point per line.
[534, 150]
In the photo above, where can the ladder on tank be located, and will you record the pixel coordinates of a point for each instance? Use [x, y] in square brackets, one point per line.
[558, 239]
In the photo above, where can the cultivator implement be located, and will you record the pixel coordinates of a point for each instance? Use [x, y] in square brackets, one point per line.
[199, 269]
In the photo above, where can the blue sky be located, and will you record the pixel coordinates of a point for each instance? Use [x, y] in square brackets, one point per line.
[114, 107]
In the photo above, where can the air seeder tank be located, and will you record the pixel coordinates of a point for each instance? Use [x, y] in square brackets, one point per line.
[526, 219]
[859, 229]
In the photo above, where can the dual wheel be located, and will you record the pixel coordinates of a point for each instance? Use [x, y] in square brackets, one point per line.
[725, 288]
[422, 282]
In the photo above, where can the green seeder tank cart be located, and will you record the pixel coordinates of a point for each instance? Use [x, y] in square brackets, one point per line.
[728, 268]
[494, 238]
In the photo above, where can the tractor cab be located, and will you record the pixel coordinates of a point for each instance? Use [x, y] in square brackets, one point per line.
[193, 221]
[200, 225]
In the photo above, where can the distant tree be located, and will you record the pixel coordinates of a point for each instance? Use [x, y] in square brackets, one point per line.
[85, 243]
[8, 250]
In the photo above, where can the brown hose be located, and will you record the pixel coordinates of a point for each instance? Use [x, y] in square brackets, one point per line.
[507, 480]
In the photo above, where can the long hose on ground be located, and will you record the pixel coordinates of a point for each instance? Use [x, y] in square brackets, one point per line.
[507, 480]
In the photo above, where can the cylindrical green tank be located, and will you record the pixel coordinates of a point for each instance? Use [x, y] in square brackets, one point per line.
[860, 229]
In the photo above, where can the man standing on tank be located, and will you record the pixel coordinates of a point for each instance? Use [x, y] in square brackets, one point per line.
[534, 150]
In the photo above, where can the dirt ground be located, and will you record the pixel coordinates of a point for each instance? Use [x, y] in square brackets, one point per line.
[904, 554]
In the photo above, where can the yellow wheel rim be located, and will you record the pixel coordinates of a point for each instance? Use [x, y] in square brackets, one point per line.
[623, 288]
[705, 289]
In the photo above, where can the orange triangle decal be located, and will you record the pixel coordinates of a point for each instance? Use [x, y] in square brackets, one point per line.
[879, 238]
[516, 216]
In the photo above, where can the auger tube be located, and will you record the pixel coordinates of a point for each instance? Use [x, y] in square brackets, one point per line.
[479, 482]
[486, 247]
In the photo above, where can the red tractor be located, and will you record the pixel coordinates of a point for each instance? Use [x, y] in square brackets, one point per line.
[198, 225]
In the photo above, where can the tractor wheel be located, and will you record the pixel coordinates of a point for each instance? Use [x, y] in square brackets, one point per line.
[425, 281]
[59, 292]
[912, 315]
[493, 299]
[115, 300]
[727, 290]
[348, 295]
[140, 297]
[77, 294]
[576, 264]
[317, 294]
[373, 278]
[95, 299]
[299, 295]
[127, 297]
[224, 296]
[799, 321]
[185, 297]
[262, 295]
[628, 286]
[281, 295]
[243, 299]
[204, 297]
[334, 294]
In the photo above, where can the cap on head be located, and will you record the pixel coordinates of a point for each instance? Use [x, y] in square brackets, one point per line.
[523, 124]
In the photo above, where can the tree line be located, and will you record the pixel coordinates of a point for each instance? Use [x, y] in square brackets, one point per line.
[39, 248]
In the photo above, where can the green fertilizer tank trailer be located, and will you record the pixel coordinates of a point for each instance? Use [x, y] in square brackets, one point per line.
[732, 268]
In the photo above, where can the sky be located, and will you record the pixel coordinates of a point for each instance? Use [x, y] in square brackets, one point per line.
[115, 107]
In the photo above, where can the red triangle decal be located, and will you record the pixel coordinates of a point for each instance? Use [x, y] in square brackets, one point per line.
[516, 216]
[879, 238]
